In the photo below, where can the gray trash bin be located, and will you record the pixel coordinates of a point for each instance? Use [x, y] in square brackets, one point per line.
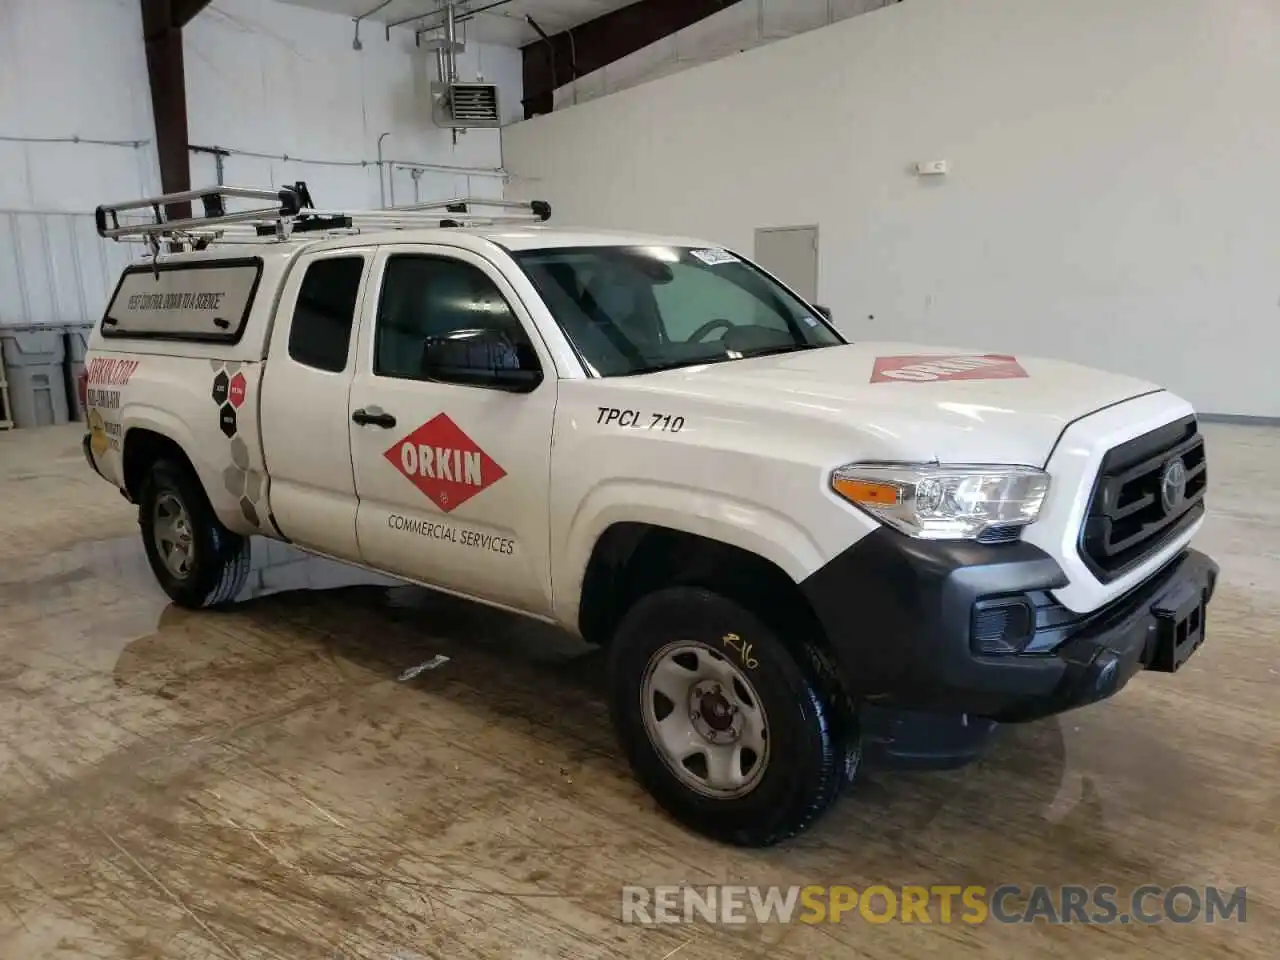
[77, 346]
[37, 383]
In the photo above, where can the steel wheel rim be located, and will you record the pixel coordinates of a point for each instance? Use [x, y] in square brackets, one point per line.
[719, 753]
[171, 531]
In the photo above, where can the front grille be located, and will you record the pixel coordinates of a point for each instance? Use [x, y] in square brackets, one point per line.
[1131, 515]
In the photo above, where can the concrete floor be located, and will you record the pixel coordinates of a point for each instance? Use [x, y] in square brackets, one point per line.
[264, 782]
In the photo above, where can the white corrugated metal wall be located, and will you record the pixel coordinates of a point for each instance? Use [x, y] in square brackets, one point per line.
[75, 131]
[266, 80]
[54, 268]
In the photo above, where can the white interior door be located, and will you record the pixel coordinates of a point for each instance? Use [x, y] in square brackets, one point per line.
[791, 255]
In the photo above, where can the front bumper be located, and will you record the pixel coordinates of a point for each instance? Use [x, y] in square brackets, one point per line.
[900, 615]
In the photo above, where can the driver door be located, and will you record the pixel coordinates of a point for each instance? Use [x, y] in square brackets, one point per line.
[452, 461]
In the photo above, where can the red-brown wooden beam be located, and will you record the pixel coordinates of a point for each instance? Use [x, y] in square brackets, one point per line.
[162, 23]
[601, 41]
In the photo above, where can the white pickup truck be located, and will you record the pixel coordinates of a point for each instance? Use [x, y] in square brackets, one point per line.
[796, 548]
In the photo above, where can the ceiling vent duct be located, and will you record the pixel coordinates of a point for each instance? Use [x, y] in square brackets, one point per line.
[456, 105]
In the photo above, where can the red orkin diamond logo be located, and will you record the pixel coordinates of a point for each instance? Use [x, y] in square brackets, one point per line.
[444, 463]
[926, 369]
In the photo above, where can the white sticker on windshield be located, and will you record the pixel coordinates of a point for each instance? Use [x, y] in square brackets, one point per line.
[715, 256]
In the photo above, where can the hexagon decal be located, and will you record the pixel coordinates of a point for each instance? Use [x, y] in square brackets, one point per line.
[227, 419]
[239, 387]
[221, 383]
[250, 513]
[234, 479]
[253, 486]
[240, 453]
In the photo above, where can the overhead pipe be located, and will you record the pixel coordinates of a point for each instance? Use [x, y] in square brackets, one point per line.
[382, 183]
[75, 139]
[219, 158]
[369, 13]
[469, 15]
[408, 165]
[355, 43]
[440, 167]
[450, 38]
[446, 54]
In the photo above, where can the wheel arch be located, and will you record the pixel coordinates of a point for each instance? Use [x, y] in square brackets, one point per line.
[151, 434]
[751, 527]
[631, 559]
[142, 447]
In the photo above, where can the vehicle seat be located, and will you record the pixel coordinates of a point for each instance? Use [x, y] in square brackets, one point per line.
[401, 330]
[624, 301]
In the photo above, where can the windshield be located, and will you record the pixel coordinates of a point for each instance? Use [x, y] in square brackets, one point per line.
[630, 310]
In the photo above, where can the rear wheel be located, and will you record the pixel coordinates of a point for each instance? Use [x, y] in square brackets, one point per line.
[197, 561]
[732, 734]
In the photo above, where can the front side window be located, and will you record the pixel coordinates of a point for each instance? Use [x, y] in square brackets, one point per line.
[438, 318]
[632, 310]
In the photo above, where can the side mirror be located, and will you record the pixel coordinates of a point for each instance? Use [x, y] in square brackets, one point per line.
[825, 311]
[481, 358]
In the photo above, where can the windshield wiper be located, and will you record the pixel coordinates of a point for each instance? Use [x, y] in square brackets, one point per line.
[675, 365]
[722, 358]
[771, 351]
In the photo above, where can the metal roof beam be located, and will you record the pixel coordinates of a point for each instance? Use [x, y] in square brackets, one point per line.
[557, 59]
[162, 23]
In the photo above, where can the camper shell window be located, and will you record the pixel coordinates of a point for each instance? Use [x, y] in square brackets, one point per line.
[205, 302]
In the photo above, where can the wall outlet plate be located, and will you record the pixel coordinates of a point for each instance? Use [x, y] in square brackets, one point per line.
[932, 168]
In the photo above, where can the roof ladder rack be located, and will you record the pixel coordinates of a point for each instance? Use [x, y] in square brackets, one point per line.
[291, 211]
[537, 211]
[288, 203]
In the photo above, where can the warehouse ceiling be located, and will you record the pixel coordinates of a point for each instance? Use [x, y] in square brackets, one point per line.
[503, 22]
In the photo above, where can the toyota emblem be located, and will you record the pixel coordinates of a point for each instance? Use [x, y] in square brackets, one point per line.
[1173, 485]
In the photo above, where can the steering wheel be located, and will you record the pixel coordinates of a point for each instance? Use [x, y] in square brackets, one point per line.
[709, 327]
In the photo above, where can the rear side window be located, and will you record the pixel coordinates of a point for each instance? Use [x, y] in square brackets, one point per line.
[320, 335]
[207, 301]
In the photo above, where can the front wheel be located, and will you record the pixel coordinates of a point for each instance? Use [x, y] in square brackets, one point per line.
[197, 561]
[733, 735]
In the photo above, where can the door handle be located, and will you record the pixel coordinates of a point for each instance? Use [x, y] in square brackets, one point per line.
[373, 417]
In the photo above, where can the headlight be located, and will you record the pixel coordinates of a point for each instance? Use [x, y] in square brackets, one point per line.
[938, 502]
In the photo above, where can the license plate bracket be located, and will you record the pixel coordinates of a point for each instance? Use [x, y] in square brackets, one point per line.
[1180, 626]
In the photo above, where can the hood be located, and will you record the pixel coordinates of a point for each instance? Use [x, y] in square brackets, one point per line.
[917, 402]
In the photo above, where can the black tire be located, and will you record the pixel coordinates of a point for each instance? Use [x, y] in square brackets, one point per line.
[219, 564]
[808, 753]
